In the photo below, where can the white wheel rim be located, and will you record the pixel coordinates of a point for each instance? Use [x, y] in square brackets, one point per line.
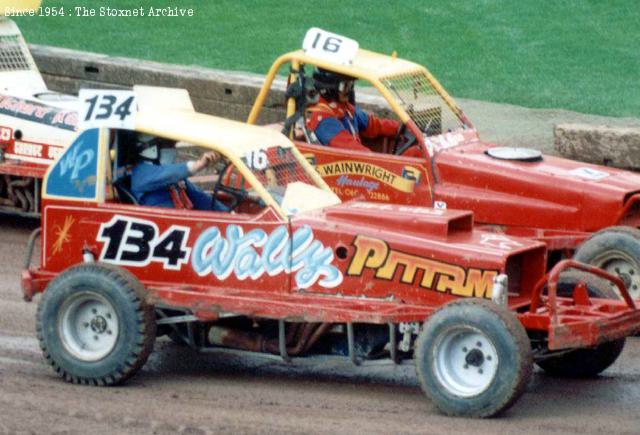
[88, 326]
[466, 362]
[628, 273]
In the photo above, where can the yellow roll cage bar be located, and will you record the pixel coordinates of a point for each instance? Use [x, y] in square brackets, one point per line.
[367, 65]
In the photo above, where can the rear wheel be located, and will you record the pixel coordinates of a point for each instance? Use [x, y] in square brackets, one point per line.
[473, 358]
[617, 251]
[584, 363]
[94, 325]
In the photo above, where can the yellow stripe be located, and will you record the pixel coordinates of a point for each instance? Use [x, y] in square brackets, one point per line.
[351, 167]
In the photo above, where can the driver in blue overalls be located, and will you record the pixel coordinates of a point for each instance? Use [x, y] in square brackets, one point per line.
[157, 180]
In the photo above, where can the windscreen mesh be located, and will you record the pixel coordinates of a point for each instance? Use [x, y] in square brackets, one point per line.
[423, 103]
[274, 167]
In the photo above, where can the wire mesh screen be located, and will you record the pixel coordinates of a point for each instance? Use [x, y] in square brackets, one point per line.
[274, 167]
[422, 102]
[12, 58]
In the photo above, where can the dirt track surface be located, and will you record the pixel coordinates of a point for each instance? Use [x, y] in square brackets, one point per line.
[179, 391]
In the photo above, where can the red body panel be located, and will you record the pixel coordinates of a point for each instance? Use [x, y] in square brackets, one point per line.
[549, 200]
[355, 262]
[355, 253]
[541, 194]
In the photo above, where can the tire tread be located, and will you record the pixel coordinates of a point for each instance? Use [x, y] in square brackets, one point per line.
[145, 323]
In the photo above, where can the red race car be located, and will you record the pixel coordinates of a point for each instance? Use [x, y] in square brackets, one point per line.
[35, 123]
[288, 270]
[437, 158]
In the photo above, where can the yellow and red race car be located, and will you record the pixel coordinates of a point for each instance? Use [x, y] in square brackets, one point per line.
[291, 272]
[437, 158]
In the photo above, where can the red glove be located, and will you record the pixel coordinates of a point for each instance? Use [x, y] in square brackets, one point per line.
[380, 127]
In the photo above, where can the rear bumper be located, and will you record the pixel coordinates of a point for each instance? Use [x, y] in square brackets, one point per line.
[593, 332]
[33, 282]
[581, 321]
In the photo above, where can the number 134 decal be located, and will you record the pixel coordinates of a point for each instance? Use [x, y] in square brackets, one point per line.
[107, 108]
[138, 242]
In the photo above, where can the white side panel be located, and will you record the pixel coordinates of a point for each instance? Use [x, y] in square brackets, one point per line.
[18, 71]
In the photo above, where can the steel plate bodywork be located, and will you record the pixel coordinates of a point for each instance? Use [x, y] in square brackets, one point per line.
[554, 200]
[361, 262]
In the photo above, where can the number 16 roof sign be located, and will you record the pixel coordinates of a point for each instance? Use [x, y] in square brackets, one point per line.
[438, 157]
[329, 46]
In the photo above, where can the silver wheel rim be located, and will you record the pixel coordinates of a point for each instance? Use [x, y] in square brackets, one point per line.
[619, 264]
[88, 326]
[466, 362]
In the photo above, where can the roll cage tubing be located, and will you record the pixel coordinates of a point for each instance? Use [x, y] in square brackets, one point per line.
[297, 57]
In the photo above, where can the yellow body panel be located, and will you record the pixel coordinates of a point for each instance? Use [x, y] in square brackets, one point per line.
[229, 137]
[367, 64]
[232, 139]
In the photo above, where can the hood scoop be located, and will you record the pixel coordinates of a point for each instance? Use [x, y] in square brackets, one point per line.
[418, 221]
[514, 154]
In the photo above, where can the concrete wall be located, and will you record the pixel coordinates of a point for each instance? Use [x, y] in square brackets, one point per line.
[217, 92]
[231, 95]
[611, 146]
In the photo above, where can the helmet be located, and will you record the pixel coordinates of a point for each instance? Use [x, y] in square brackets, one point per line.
[150, 148]
[332, 85]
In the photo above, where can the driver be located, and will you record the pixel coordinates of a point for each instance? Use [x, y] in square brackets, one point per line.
[336, 121]
[157, 180]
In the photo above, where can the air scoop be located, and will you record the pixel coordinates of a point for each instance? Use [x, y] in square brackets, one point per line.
[514, 153]
[406, 219]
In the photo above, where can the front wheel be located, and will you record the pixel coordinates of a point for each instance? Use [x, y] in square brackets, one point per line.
[94, 325]
[473, 358]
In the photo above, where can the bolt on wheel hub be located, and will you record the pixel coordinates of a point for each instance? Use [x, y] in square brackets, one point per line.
[466, 362]
[87, 328]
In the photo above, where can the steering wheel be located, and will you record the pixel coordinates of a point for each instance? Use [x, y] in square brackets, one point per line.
[237, 195]
[408, 140]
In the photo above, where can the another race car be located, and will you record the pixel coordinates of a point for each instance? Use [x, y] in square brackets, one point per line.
[581, 210]
[35, 124]
[292, 272]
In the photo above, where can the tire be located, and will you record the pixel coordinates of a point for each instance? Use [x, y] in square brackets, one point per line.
[616, 250]
[462, 378]
[94, 325]
[590, 362]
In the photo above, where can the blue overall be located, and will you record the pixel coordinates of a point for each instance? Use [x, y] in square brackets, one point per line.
[150, 185]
